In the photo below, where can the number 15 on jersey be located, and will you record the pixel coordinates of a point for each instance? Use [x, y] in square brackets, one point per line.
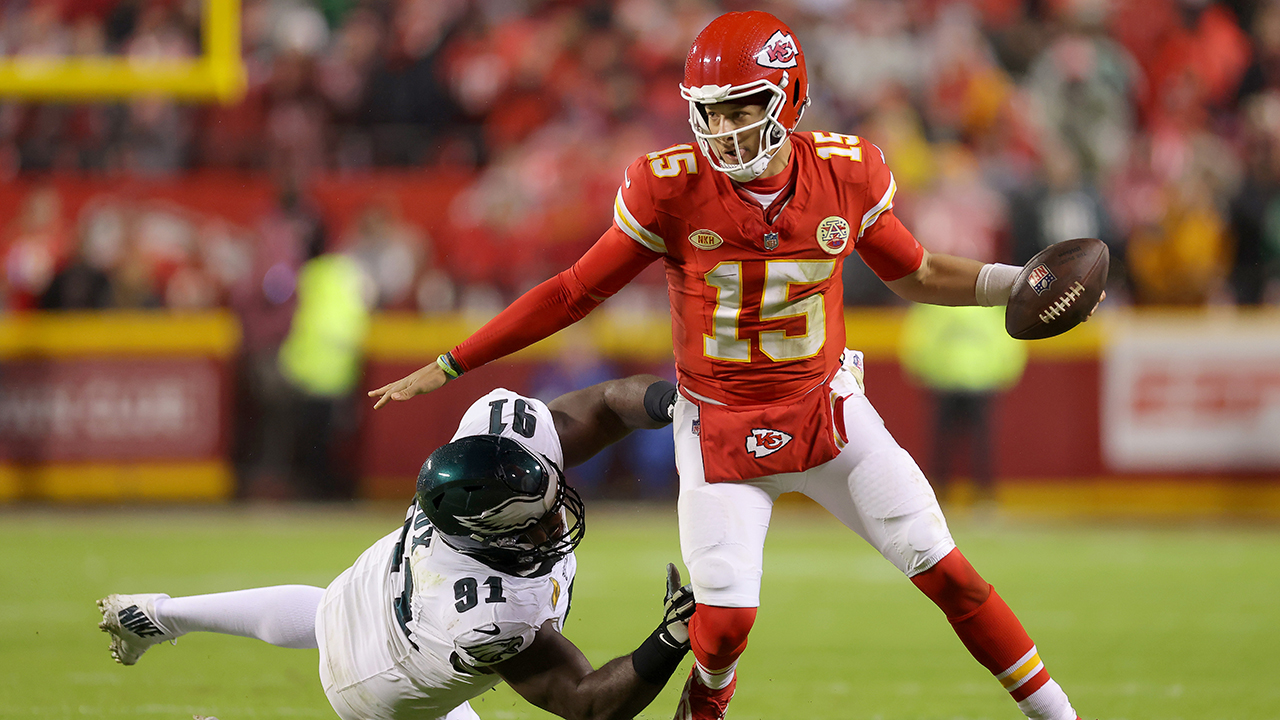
[775, 303]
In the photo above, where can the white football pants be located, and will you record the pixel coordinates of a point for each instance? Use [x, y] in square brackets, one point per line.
[873, 486]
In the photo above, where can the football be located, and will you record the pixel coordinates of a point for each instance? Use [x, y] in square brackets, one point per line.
[1057, 289]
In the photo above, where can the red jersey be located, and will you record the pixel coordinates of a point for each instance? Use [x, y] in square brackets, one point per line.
[757, 312]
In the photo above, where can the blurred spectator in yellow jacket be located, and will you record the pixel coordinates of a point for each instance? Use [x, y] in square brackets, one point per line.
[322, 361]
[963, 358]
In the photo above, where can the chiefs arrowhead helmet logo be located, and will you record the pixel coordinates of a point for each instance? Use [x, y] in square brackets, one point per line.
[779, 51]
[766, 441]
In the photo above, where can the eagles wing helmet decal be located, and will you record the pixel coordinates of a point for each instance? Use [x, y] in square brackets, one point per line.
[518, 513]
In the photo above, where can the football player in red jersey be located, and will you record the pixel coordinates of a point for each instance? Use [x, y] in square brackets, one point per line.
[753, 227]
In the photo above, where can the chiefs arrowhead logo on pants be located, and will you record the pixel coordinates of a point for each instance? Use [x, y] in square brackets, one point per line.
[766, 441]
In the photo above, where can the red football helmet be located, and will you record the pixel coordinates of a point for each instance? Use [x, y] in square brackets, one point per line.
[739, 55]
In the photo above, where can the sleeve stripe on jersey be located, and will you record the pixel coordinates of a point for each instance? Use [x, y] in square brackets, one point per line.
[627, 223]
[885, 203]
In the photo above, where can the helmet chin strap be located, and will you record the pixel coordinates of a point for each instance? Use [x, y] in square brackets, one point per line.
[752, 170]
[748, 171]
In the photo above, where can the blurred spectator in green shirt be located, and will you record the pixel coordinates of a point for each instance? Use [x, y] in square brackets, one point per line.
[963, 357]
[322, 360]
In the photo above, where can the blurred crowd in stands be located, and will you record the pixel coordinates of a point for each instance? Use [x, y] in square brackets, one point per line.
[1009, 124]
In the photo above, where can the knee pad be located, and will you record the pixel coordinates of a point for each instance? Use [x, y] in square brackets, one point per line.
[719, 634]
[917, 541]
[719, 527]
[891, 493]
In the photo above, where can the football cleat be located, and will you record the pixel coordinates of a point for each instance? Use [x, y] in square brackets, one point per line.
[131, 622]
[699, 702]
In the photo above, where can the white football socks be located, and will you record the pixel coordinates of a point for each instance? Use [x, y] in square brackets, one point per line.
[283, 615]
[1048, 703]
[715, 679]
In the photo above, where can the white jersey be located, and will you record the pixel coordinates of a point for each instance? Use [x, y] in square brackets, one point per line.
[413, 626]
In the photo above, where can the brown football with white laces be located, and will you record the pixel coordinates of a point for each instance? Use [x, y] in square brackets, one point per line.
[1057, 289]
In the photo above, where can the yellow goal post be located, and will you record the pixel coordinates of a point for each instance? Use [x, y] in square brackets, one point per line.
[217, 75]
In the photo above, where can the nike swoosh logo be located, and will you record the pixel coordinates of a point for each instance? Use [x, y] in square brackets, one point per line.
[490, 629]
[626, 178]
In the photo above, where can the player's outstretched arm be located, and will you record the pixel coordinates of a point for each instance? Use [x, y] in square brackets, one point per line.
[587, 420]
[546, 309]
[553, 674]
[952, 280]
[940, 280]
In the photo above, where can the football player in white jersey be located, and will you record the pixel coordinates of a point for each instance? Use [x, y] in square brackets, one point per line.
[471, 591]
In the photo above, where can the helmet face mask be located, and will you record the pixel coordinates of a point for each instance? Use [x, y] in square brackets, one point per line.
[770, 133]
[737, 56]
[493, 499]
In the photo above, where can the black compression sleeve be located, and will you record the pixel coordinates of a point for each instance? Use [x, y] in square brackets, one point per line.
[660, 401]
[654, 661]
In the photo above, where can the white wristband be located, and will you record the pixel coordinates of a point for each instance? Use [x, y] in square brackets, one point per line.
[995, 283]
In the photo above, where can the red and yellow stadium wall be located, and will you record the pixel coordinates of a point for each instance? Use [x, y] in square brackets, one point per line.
[116, 406]
[1134, 413]
[1145, 413]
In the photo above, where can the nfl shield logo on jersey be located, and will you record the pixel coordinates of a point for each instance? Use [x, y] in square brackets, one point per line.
[1040, 278]
[770, 241]
[833, 234]
[766, 441]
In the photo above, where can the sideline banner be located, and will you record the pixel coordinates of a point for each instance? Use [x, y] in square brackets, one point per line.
[1192, 393]
[116, 405]
[110, 409]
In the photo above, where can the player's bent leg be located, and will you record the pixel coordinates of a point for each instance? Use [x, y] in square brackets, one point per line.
[875, 488]
[283, 615]
[994, 636]
[722, 534]
[722, 530]
[883, 497]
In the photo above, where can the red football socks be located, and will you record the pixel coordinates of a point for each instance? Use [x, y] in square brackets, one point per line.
[996, 639]
[718, 635]
[985, 624]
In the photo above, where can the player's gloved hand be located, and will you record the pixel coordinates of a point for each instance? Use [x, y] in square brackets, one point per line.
[674, 628]
[660, 653]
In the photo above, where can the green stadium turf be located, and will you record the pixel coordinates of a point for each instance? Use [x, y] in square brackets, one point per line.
[1158, 623]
